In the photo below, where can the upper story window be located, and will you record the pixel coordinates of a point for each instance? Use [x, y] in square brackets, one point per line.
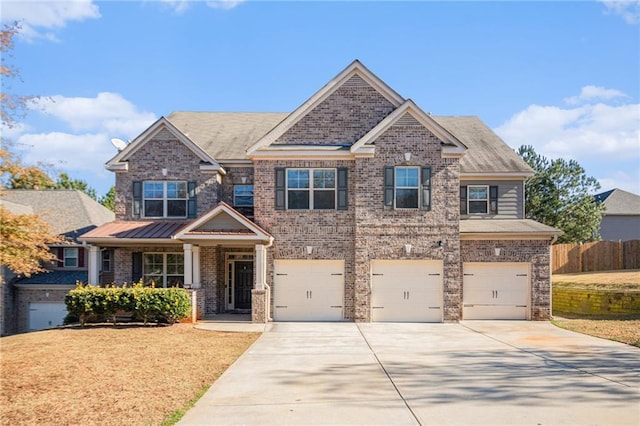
[243, 195]
[478, 199]
[407, 187]
[163, 269]
[311, 189]
[71, 257]
[164, 199]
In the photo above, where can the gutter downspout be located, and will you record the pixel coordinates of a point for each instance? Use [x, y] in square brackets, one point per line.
[268, 287]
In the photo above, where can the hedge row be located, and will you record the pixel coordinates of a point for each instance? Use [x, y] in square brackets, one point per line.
[145, 303]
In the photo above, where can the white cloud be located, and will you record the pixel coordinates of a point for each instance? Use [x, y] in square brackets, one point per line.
[80, 152]
[629, 10]
[619, 179]
[108, 112]
[178, 6]
[38, 15]
[224, 4]
[592, 93]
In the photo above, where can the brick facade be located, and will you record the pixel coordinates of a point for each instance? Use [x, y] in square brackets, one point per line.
[24, 296]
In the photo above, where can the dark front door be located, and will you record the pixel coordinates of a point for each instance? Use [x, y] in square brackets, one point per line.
[243, 283]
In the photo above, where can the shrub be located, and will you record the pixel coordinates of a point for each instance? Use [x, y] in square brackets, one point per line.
[146, 303]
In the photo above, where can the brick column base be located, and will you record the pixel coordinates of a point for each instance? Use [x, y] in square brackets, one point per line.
[258, 306]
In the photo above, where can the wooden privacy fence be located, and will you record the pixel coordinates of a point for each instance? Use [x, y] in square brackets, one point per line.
[598, 256]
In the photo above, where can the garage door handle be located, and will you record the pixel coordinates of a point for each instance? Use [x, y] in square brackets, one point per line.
[434, 307]
[434, 275]
[282, 306]
[281, 275]
[468, 275]
[377, 307]
[337, 306]
[521, 275]
[377, 275]
[521, 306]
[336, 274]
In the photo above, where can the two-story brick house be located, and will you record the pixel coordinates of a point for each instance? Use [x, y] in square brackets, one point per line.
[356, 206]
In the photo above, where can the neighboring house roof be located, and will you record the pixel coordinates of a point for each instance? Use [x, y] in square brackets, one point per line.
[619, 203]
[55, 277]
[67, 212]
[506, 227]
[225, 135]
[486, 152]
[16, 208]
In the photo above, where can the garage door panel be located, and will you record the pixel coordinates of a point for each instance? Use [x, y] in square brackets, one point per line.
[495, 290]
[308, 290]
[46, 315]
[406, 291]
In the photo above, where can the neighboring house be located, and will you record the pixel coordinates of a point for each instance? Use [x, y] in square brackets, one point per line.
[356, 206]
[37, 302]
[621, 217]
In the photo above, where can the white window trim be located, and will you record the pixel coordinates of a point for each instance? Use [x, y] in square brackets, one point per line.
[396, 187]
[469, 200]
[164, 266]
[165, 199]
[76, 257]
[311, 189]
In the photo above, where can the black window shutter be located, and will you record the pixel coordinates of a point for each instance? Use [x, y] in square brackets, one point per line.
[493, 200]
[192, 205]
[343, 184]
[136, 266]
[388, 186]
[280, 188]
[137, 198]
[426, 188]
[463, 200]
[80, 257]
[60, 257]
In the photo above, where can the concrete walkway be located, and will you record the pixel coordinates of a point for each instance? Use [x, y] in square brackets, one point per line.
[475, 372]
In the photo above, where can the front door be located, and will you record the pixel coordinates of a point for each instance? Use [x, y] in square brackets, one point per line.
[243, 283]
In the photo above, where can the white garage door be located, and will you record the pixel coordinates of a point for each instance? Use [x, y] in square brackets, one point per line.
[308, 290]
[495, 290]
[406, 290]
[46, 315]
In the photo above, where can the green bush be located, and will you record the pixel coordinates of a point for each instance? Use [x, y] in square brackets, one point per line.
[146, 303]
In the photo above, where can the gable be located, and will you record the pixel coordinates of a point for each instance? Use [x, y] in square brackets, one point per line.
[338, 114]
[162, 131]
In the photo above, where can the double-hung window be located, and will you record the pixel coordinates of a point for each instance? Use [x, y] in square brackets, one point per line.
[243, 195]
[163, 269]
[71, 257]
[478, 199]
[165, 199]
[407, 187]
[311, 189]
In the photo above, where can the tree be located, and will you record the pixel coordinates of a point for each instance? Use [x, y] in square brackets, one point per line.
[109, 200]
[65, 182]
[560, 194]
[24, 237]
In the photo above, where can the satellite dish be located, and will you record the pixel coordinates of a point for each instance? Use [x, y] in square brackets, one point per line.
[119, 144]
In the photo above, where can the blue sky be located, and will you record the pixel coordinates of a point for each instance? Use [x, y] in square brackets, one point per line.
[561, 76]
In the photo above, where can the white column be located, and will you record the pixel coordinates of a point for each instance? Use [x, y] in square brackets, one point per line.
[94, 265]
[188, 265]
[196, 266]
[261, 267]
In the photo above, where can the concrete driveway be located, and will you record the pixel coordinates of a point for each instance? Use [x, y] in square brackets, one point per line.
[475, 372]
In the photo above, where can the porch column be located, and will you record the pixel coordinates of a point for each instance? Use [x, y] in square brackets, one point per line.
[94, 265]
[196, 266]
[261, 267]
[188, 265]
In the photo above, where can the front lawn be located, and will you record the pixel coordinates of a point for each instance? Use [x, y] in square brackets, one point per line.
[107, 375]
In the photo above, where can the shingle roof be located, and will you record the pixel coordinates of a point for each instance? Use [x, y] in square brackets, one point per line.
[486, 153]
[56, 277]
[16, 208]
[225, 135]
[67, 212]
[505, 226]
[619, 202]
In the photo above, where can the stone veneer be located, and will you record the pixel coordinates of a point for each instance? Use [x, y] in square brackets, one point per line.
[536, 252]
